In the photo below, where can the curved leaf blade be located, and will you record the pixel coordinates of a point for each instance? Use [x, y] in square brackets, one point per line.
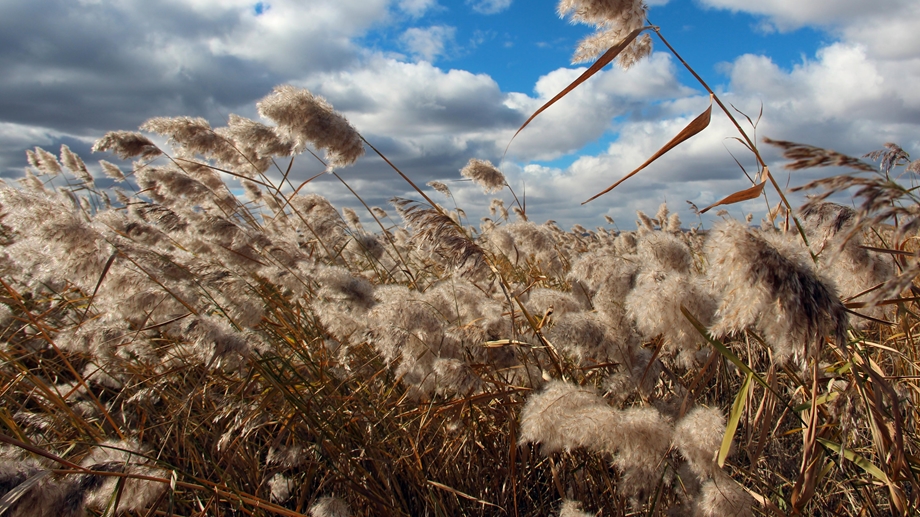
[695, 126]
[601, 62]
[737, 197]
[867, 466]
[733, 418]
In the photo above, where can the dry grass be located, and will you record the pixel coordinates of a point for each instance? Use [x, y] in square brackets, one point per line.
[182, 350]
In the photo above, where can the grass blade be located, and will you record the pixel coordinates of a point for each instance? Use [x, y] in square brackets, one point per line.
[733, 418]
[695, 126]
[105, 270]
[722, 349]
[737, 197]
[601, 62]
[11, 497]
[860, 461]
[459, 493]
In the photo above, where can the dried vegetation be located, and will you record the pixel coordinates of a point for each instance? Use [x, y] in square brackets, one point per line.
[213, 342]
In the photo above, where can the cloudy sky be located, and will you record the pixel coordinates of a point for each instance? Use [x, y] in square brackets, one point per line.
[433, 83]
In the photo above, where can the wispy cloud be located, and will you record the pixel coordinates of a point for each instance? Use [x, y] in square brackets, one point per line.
[416, 8]
[429, 43]
[489, 6]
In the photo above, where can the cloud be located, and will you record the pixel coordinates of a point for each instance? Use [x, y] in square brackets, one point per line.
[414, 100]
[587, 113]
[792, 14]
[14, 138]
[428, 43]
[420, 104]
[842, 99]
[93, 67]
[431, 122]
[416, 8]
[489, 6]
[886, 27]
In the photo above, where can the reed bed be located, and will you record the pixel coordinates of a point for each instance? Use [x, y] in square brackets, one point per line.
[205, 339]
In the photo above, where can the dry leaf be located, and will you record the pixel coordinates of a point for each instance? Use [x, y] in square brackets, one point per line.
[695, 126]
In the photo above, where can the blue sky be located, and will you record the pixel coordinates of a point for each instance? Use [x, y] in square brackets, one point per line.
[434, 83]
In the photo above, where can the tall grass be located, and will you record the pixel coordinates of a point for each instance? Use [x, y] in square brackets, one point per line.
[173, 348]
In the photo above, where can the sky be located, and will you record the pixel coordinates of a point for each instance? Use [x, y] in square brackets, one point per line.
[434, 83]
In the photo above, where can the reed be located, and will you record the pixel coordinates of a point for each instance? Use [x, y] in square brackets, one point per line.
[182, 350]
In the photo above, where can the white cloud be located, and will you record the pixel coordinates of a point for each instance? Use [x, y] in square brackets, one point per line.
[16, 137]
[211, 57]
[489, 6]
[280, 35]
[587, 112]
[791, 14]
[891, 35]
[435, 120]
[418, 102]
[886, 27]
[416, 8]
[429, 43]
[842, 99]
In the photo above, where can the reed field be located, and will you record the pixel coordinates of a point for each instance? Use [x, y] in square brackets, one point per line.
[206, 339]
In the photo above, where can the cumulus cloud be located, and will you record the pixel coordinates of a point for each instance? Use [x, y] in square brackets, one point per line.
[587, 113]
[428, 43]
[422, 105]
[841, 99]
[792, 14]
[93, 67]
[853, 95]
[489, 6]
[886, 27]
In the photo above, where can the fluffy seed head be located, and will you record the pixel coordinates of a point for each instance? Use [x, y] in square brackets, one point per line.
[121, 456]
[570, 508]
[455, 377]
[76, 166]
[127, 144]
[642, 440]
[306, 118]
[665, 252]
[567, 416]
[698, 436]
[722, 496]
[614, 20]
[774, 289]
[440, 187]
[112, 171]
[44, 162]
[484, 174]
[281, 487]
[330, 507]
[254, 145]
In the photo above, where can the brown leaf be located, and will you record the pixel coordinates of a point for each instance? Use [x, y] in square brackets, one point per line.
[743, 195]
[737, 197]
[601, 62]
[698, 124]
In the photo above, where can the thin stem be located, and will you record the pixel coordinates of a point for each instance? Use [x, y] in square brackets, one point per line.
[747, 139]
[409, 181]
